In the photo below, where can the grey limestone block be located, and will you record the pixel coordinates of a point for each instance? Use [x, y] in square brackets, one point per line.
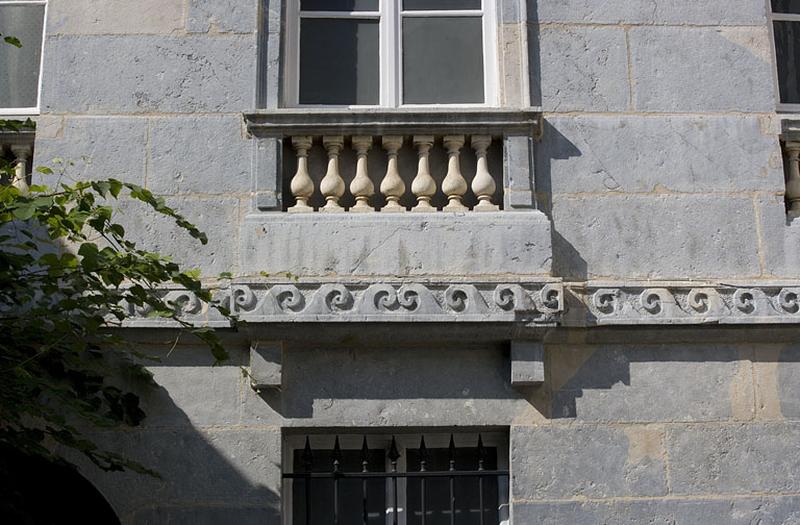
[780, 237]
[657, 236]
[619, 383]
[198, 514]
[149, 73]
[423, 386]
[772, 510]
[583, 68]
[702, 69]
[734, 458]
[731, 12]
[220, 467]
[639, 154]
[86, 17]
[206, 155]
[235, 16]
[788, 379]
[318, 244]
[217, 216]
[555, 461]
[266, 360]
[527, 363]
[100, 148]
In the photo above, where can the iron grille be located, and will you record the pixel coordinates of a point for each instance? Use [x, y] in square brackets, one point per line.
[439, 479]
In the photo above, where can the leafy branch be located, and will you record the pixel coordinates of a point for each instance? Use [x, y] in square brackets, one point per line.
[69, 273]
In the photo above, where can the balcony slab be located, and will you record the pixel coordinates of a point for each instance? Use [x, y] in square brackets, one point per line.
[468, 244]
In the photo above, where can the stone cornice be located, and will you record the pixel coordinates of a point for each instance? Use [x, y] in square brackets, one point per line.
[530, 303]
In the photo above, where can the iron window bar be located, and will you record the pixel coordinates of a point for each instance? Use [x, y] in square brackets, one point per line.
[423, 474]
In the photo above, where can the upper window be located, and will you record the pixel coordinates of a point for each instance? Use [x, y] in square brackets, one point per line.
[391, 53]
[22, 23]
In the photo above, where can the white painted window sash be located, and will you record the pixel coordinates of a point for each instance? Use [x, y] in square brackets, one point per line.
[773, 17]
[390, 15]
[34, 111]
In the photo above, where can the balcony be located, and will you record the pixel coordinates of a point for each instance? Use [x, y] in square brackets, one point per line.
[395, 193]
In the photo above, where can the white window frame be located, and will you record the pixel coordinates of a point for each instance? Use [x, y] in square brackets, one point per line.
[433, 439]
[390, 15]
[34, 111]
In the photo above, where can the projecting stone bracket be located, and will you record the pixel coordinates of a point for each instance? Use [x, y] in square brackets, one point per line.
[266, 365]
[527, 364]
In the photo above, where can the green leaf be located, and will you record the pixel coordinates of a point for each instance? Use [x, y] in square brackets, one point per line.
[14, 41]
[24, 211]
[44, 170]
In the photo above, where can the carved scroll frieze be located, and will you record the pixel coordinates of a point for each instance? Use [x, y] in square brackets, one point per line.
[689, 304]
[260, 302]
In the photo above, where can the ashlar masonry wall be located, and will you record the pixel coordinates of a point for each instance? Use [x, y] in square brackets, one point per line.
[660, 159]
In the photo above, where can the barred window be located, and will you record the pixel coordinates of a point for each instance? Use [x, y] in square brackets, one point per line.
[410, 479]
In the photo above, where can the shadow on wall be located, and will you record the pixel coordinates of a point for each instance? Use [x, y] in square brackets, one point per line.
[686, 382]
[398, 386]
[567, 261]
[211, 470]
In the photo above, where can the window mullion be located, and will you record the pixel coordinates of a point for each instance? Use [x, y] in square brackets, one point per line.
[390, 54]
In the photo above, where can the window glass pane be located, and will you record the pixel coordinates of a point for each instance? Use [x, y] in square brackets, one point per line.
[787, 47]
[442, 60]
[350, 490]
[339, 61]
[416, 5]
[437, 490]
[786, 6]
[339, 5]
[19, 67]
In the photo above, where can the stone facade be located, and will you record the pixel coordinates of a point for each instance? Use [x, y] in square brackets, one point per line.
[643, 269]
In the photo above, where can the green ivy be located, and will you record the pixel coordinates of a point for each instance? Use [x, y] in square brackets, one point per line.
[67, 270]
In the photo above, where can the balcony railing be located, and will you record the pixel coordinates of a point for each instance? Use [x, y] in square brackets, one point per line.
[16, 149]
[394, 161]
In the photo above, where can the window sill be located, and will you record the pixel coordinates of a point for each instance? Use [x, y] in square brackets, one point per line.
[400, 121]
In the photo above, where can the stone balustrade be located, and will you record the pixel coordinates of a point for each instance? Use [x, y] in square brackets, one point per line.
[453, 183]
[791, 152]
[332, 161]
[17, 148]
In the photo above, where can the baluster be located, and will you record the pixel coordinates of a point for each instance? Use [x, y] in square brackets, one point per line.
[392, 185]
[793, 179]
[483, 185]
[452, 454]
[481, 461]
[364, 470]
[308, 465]
[423, 185]
[423, 467]
[332, 185]
[301, 186]
[337, 458]
[454, 184]
[362, 187]
[21, 156]
[394, 455]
